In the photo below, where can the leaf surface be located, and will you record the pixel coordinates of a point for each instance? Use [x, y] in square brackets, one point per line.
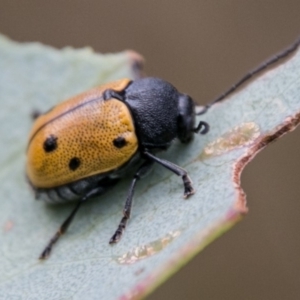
[165, 230]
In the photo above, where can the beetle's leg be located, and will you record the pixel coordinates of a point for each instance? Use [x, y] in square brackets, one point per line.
[35, 114]
[188, 188]
[65, 225]
[143, 170]
[201, 125]
[109, 93]
[62, 229]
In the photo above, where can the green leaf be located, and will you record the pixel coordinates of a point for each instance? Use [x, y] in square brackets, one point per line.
[165, 230]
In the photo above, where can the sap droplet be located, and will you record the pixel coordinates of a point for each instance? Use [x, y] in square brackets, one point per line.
[241, 135]
[147, 250]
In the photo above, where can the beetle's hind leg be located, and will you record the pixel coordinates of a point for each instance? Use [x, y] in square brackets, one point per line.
[65, 225]
[142, 171]
[187, 182]
[62, 229]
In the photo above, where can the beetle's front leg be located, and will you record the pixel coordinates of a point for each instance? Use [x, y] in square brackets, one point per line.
[187, 182]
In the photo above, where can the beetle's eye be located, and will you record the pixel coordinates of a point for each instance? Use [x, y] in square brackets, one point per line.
[50, 144]
[74, 163]
[119, 142]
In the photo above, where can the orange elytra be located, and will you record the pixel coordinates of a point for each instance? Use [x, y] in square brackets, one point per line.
[64, 144]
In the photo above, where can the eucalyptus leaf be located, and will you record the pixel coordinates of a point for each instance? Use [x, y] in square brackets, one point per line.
[165, 230]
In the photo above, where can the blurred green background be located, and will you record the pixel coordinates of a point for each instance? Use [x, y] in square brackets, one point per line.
[202, 47]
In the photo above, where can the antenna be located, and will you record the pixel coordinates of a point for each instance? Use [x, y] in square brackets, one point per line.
[274, 59]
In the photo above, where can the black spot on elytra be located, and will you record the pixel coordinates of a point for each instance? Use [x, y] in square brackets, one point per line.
[74, 163]
[119, 142]
[50, 144]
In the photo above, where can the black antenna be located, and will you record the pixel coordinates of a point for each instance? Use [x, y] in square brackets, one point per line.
[284, 53]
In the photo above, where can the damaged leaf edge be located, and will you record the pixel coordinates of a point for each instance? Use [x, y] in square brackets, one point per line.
[203, 239]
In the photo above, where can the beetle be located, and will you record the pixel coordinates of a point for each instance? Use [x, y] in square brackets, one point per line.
[82, 147]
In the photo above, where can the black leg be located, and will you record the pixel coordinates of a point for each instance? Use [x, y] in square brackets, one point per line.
[35, 114]
[65, 225]
[144, 169]
[108, 94]
[188, 188]
[201, 125]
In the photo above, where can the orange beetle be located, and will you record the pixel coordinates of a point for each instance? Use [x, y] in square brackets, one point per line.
[83, 146]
